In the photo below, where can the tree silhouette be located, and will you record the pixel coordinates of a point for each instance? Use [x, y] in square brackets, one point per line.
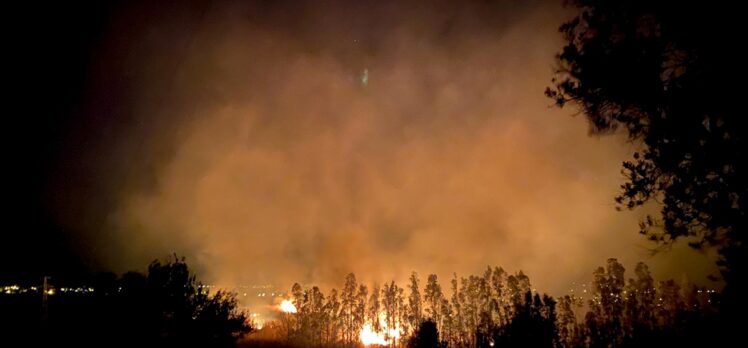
[332, 323]
[634, 313]
[434, 300]
[360, 313]
[665, 72]
[415, 307]
[349, 307]
[606, 316]
[425, 336]
[166, 307]
[309, 324]
[458, 319]
[393, 306]
[374, 309]
[184, 313]
[533, 325]
[569, 331]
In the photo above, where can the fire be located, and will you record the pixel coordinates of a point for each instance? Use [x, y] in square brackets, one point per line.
[287, 307]
[385, 337]
[369, 337]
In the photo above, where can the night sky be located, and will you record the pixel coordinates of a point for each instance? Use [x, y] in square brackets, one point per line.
[281, 141]
[49, 50]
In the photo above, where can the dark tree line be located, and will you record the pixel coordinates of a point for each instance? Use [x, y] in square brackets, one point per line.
[503, 310]
[637, 311]
[668, 74]
[166, 307]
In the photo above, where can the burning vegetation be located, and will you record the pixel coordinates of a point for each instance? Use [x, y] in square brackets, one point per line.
[493, 309]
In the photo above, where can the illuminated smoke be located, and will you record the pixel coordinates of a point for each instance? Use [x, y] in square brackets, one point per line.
[272, 144]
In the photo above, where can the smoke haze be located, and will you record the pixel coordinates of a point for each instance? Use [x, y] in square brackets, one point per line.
[272, 143]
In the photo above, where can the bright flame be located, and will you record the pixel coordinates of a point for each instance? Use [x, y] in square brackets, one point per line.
[384, 338]
[287, 307]
[369, 337]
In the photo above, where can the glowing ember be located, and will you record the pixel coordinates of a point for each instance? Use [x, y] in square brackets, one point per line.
[287, 307]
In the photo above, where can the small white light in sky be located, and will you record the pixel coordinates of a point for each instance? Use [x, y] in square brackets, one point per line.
[365, 78]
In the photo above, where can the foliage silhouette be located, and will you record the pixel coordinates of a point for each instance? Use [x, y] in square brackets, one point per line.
[497, 309]
[165, 308]
[425, 336]
[665, 73]
[180, 312]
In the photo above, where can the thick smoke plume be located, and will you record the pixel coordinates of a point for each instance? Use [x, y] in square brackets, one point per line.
[272, 143]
